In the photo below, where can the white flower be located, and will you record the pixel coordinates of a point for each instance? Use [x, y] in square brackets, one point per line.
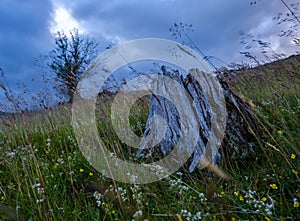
[40, 200]
[10, 154]
[197, 216]
[36, 185]
[138, 213]
[183, 211]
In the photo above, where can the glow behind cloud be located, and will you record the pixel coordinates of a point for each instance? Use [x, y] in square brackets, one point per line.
[63, 21]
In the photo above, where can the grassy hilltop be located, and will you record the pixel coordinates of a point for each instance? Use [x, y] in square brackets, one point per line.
[43, 175]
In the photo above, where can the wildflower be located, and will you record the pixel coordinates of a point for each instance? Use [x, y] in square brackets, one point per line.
[36, 185]
[81, 170]
[183, 211]
[279, 132]
[56, 165]
[97, 195]
[91, 174]
[40, 200]
[10, 154]
[60, 161]
[274, 186]
[201, 195]
[197, 216]
[236, 193]
[293, 156]
[264, 199]
[138, 213]
[179, 173]
[233, 219]
[241, 198]
[296, 204]
[133, 178]
[2, 198]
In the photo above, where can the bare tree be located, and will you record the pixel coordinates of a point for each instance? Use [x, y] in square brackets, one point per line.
[69, 58]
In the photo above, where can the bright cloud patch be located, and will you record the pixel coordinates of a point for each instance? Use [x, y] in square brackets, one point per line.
[63, 21]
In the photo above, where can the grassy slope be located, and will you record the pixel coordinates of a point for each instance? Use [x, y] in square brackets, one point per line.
[43, 175]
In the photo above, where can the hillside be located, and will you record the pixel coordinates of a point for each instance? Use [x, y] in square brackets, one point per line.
[43, 175]
[280, 78]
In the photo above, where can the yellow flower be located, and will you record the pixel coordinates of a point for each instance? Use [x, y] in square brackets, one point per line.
[222, 193]
[279, 132]
[55, 165]
[293, 156]
[274, 186]
[296, 204]
[236, 193]
[264, 199]
[81, 170]
[2, 198]
[91, 174]
[241, 198]
[233, 219]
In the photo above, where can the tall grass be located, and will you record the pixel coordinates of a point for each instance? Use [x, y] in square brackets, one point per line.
[43, 175]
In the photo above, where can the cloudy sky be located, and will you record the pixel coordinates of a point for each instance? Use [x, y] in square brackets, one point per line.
[26, 27]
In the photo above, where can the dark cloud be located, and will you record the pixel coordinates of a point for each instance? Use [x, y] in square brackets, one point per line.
[217, 25]
[24, 35]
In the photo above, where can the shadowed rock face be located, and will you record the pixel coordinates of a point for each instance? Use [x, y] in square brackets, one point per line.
[240, 118]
